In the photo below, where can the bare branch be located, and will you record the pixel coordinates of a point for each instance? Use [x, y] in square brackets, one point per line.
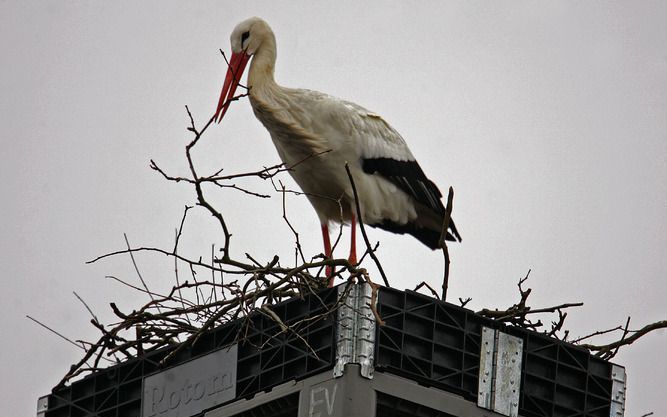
[371, 252]
[443, 241]
[424, 284]
[608, 351]
[85, 305]
[297, 242]
[136, 268]
[79, 346]
[464, 302]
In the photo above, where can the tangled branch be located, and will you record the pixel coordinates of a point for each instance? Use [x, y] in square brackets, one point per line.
[520, 314]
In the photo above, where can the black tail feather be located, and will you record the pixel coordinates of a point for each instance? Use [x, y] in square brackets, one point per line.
[428, 237]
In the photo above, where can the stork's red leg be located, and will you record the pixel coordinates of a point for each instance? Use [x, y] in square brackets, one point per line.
[327, 252]
[353, 241]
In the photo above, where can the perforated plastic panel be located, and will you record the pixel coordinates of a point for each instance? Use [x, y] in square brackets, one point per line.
[438, 344]
[560, 379]
[434, 342]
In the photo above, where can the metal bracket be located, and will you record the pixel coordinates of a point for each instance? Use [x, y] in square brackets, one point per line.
[42, 405]
[500, 372]
[618, 378]
[355, 335]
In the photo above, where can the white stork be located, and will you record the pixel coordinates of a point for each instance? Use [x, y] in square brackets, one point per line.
[316, 134]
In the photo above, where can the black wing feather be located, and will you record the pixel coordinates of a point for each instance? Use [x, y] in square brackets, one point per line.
[409, 177]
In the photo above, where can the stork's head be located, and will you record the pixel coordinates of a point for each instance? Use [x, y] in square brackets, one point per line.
[247, 39]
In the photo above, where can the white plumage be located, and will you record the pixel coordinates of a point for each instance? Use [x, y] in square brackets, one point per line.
[316, 134]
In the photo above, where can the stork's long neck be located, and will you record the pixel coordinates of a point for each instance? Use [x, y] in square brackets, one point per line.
[262, 66]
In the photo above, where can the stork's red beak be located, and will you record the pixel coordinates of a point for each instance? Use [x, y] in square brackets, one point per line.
[234, 72]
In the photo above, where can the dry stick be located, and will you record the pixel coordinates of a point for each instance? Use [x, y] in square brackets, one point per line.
[136, 268]
[374, 296]
[557, 326]
[180, 228]
[198, 188]
[443, 241]
[56, 333]
[424, 284]
[265, 173]
[553, 309]
[284, 191]
[284, 328]
[86, 305]
[237, 80]
[596, 333]
[604, 350]
[366, 252]
[134, 287]
[519, 312]
[339, 235]
[294, 232]
[179, 231]
[625, 333]
[245, 268]
[361, 226]
[464, 302]
[213, 289]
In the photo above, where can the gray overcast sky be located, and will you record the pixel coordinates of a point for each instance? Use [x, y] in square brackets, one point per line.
[548, 118]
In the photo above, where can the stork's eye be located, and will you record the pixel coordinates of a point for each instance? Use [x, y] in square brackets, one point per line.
[244, 36]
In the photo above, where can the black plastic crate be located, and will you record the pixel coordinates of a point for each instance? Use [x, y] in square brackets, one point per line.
[435, 343]
[560, 379]
[438, 344]
[112, 392]
[266, 358]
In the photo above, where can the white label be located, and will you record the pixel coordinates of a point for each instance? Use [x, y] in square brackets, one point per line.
[188, 389]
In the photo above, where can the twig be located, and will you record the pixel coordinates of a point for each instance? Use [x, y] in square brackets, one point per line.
[424, 284]
[443, 241]
[150, 293]
[374, 296]
[361, 227]
[517, 314]
[289, 224]
[464, 302]
[136, 268]
[57, 333]
[625, 333]
[596, 333]
[609, 350]
[86, 305]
